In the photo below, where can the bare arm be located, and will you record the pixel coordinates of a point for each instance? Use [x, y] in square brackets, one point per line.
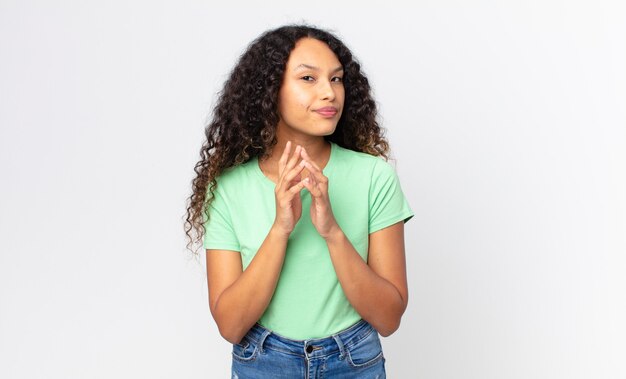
[238, 298]
[377, 289]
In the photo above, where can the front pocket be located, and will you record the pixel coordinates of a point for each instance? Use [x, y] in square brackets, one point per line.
[366, 352]
[245, 351]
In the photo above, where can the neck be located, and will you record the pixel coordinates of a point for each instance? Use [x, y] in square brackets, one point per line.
[316, 146]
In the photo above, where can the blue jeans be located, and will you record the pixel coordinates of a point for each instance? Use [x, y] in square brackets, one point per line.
[355, 352]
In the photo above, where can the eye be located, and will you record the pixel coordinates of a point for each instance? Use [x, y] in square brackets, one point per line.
[339, 79]
[307, 76]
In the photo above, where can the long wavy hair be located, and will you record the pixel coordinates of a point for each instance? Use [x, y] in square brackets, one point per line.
[244, 120]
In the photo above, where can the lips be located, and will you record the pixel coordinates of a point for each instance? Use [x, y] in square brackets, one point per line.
[327, 111]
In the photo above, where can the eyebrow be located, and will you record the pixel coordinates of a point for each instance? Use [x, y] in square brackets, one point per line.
[303, 65]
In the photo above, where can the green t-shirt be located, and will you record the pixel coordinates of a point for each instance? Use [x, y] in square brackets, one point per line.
[308, 302]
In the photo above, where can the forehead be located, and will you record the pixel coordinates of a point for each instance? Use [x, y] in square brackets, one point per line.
[312, 52]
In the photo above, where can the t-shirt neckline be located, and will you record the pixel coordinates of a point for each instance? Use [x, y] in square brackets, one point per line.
[326, 170]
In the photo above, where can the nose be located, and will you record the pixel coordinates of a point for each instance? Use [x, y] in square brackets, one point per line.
[327, 91]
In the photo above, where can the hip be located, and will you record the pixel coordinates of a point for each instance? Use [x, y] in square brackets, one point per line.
[355, 352]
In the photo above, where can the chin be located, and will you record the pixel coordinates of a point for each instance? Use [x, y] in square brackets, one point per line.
[330, 132]
[325, 131]
[316, 129]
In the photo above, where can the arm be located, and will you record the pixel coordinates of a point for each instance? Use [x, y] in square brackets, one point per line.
[238, 298]
[378, 289]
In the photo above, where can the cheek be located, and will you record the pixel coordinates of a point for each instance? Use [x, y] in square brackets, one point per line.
[299, 104]
[299, 99]
[292, 100]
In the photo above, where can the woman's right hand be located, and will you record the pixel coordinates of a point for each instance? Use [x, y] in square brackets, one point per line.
[287, 191]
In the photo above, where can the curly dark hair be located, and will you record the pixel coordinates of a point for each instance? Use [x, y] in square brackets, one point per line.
[244, 121]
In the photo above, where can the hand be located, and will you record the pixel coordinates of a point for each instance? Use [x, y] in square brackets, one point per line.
[287, 191]
[321, 213]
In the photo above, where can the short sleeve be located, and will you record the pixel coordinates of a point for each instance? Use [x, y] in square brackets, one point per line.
[387, 202]
[219, 232]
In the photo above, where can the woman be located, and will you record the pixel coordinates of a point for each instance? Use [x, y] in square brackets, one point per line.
[304, 234]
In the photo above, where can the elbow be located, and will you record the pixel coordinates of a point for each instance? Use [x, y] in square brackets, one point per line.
[230, 334]
[389, 328]
[229, 329]
[393, 322]
[390, 323]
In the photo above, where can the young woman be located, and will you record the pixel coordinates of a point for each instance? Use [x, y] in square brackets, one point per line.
[304, 226]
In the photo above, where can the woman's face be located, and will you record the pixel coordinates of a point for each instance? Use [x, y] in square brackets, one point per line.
[312, 87]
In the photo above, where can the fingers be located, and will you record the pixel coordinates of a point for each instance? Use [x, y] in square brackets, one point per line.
[282, 162]
[290, 170]
[311, 184]
[316, 172]
[291, 163]
[308, 158]
[298, 187]
[293, 173]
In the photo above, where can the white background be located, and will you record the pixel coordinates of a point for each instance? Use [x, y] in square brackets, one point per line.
[507, 121]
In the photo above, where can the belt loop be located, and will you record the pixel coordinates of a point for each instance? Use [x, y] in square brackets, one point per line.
[266, 332]
[342, 350]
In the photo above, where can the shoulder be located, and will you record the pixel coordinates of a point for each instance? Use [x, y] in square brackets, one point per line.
[343, 154]
[235, 178]
[236, 173]
[364, 162]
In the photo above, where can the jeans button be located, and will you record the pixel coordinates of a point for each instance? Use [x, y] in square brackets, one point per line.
[309, 349]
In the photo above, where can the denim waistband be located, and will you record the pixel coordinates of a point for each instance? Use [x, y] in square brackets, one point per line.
[319, 347]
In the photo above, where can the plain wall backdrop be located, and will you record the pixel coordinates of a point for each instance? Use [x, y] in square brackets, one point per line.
[506, 120]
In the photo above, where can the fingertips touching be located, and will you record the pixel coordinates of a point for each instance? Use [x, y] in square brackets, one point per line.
[308, 158]
[306, 182]
[293, 173]
[298, 187]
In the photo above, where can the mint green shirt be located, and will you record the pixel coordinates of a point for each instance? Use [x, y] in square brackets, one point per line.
[308, 302]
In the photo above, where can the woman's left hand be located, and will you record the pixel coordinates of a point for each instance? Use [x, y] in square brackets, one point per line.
[321, 212]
